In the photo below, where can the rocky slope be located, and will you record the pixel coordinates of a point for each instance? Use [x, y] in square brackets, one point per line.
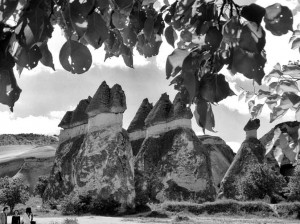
[27, 139]
[172, 164]
[94, 154]
[221, 156]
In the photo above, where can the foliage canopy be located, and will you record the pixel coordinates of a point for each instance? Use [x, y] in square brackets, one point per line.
[206, 35]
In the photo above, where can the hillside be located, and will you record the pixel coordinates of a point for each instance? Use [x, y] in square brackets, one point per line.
[27, 139]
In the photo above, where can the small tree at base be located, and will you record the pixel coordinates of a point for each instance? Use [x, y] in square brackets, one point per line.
[41, 185]
[13, 191]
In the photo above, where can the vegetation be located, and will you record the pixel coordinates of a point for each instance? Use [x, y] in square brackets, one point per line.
[85, 203]
[294, 186]
[26, 139]
[206, 35]
[231, 207]
[13, 191]
[41, 185]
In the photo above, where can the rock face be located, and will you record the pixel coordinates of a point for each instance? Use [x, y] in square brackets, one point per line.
[249, 178]
[32, 169]
[96, 156]
[137, 127]
[172, 163]
[291, 127]
[221, 156]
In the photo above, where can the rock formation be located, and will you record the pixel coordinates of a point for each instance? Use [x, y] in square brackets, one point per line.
[248, 178]
[172, 163]
[221, 156]
[33, 168]
[137, 127]
[95, 154]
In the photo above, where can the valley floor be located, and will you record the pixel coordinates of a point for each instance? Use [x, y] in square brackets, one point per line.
[136, 220]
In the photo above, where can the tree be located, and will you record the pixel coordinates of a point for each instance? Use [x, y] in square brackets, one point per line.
[41, 185]
[212, 34]
[13, 191]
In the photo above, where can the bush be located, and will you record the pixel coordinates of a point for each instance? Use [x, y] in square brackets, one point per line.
[70, 221]
[294, 186]
[260, 182]
[100, 206]
[288, 210]
[71, 205]
[41, 185]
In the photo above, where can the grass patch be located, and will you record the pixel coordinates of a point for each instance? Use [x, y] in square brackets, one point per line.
[232, 207]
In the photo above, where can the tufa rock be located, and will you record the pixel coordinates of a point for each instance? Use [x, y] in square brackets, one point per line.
[137, 127]
[66, 120]
[96, 157]
[173, 166]
[79, 115]
[160, 112]
[107, 100]
[138, 122]
[248, 178]
[180, 110]
[221, 156]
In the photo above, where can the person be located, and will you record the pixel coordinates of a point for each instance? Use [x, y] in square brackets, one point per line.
[3, 215]
[16, 218]
[27, 216]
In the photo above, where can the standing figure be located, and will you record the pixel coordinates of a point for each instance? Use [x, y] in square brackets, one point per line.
[16, 218]
[3, 215]
[27, 216]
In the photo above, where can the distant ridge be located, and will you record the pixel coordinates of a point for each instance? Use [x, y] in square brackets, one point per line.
[27, 139]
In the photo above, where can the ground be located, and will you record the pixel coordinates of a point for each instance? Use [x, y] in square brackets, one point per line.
[173, 220]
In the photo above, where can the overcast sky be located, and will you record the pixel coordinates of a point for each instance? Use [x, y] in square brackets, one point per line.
[47, 95]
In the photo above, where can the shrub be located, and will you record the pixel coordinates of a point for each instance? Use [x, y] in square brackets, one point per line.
[100, 206]
[41, 185]
[71, 205]
[70, 221]
[294, 186]
[262, 181]
[288, 210]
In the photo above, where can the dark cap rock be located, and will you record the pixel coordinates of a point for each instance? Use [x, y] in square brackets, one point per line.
[66, 120]
[138, 121]
[252, 125]
[79, 115]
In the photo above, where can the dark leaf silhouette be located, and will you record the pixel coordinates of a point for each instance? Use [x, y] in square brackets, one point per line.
[204, 115]
[170, 35]
[214, 88]
[75, 57]
[278, 19]
[174, 62]
[253, 13]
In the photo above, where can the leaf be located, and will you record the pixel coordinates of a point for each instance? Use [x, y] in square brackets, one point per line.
[231, 30]
[119, 20]
[96, 32]
[294, 98]
[9, 7]
[170, 35]
[296, 43]
[256, 110]
[278, 155]
[175, 61]
[278, 19]
[78, 11]
[262, 94]
[149, 48]
[213, 38]
[285, 102]
[272, 100]
[277, 112]
[253, 13]
[249, 95]
[129, 35]
[291, 70]
[287, 86]
[148, 28]
[29, 58]
[75, 57]
[214, 88]
[127, 56]
[275, 73]
[9, 89]
[297, 114]
[251, 65]
[204, 115]
[273, 86]
[47, 58]
[287, 146]
[242, 95]
[147, 2]
[272, 143]
[125, 6]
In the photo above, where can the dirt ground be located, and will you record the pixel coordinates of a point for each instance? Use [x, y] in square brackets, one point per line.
[136, 220]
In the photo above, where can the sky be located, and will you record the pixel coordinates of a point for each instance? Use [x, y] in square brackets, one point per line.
[48, 94]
